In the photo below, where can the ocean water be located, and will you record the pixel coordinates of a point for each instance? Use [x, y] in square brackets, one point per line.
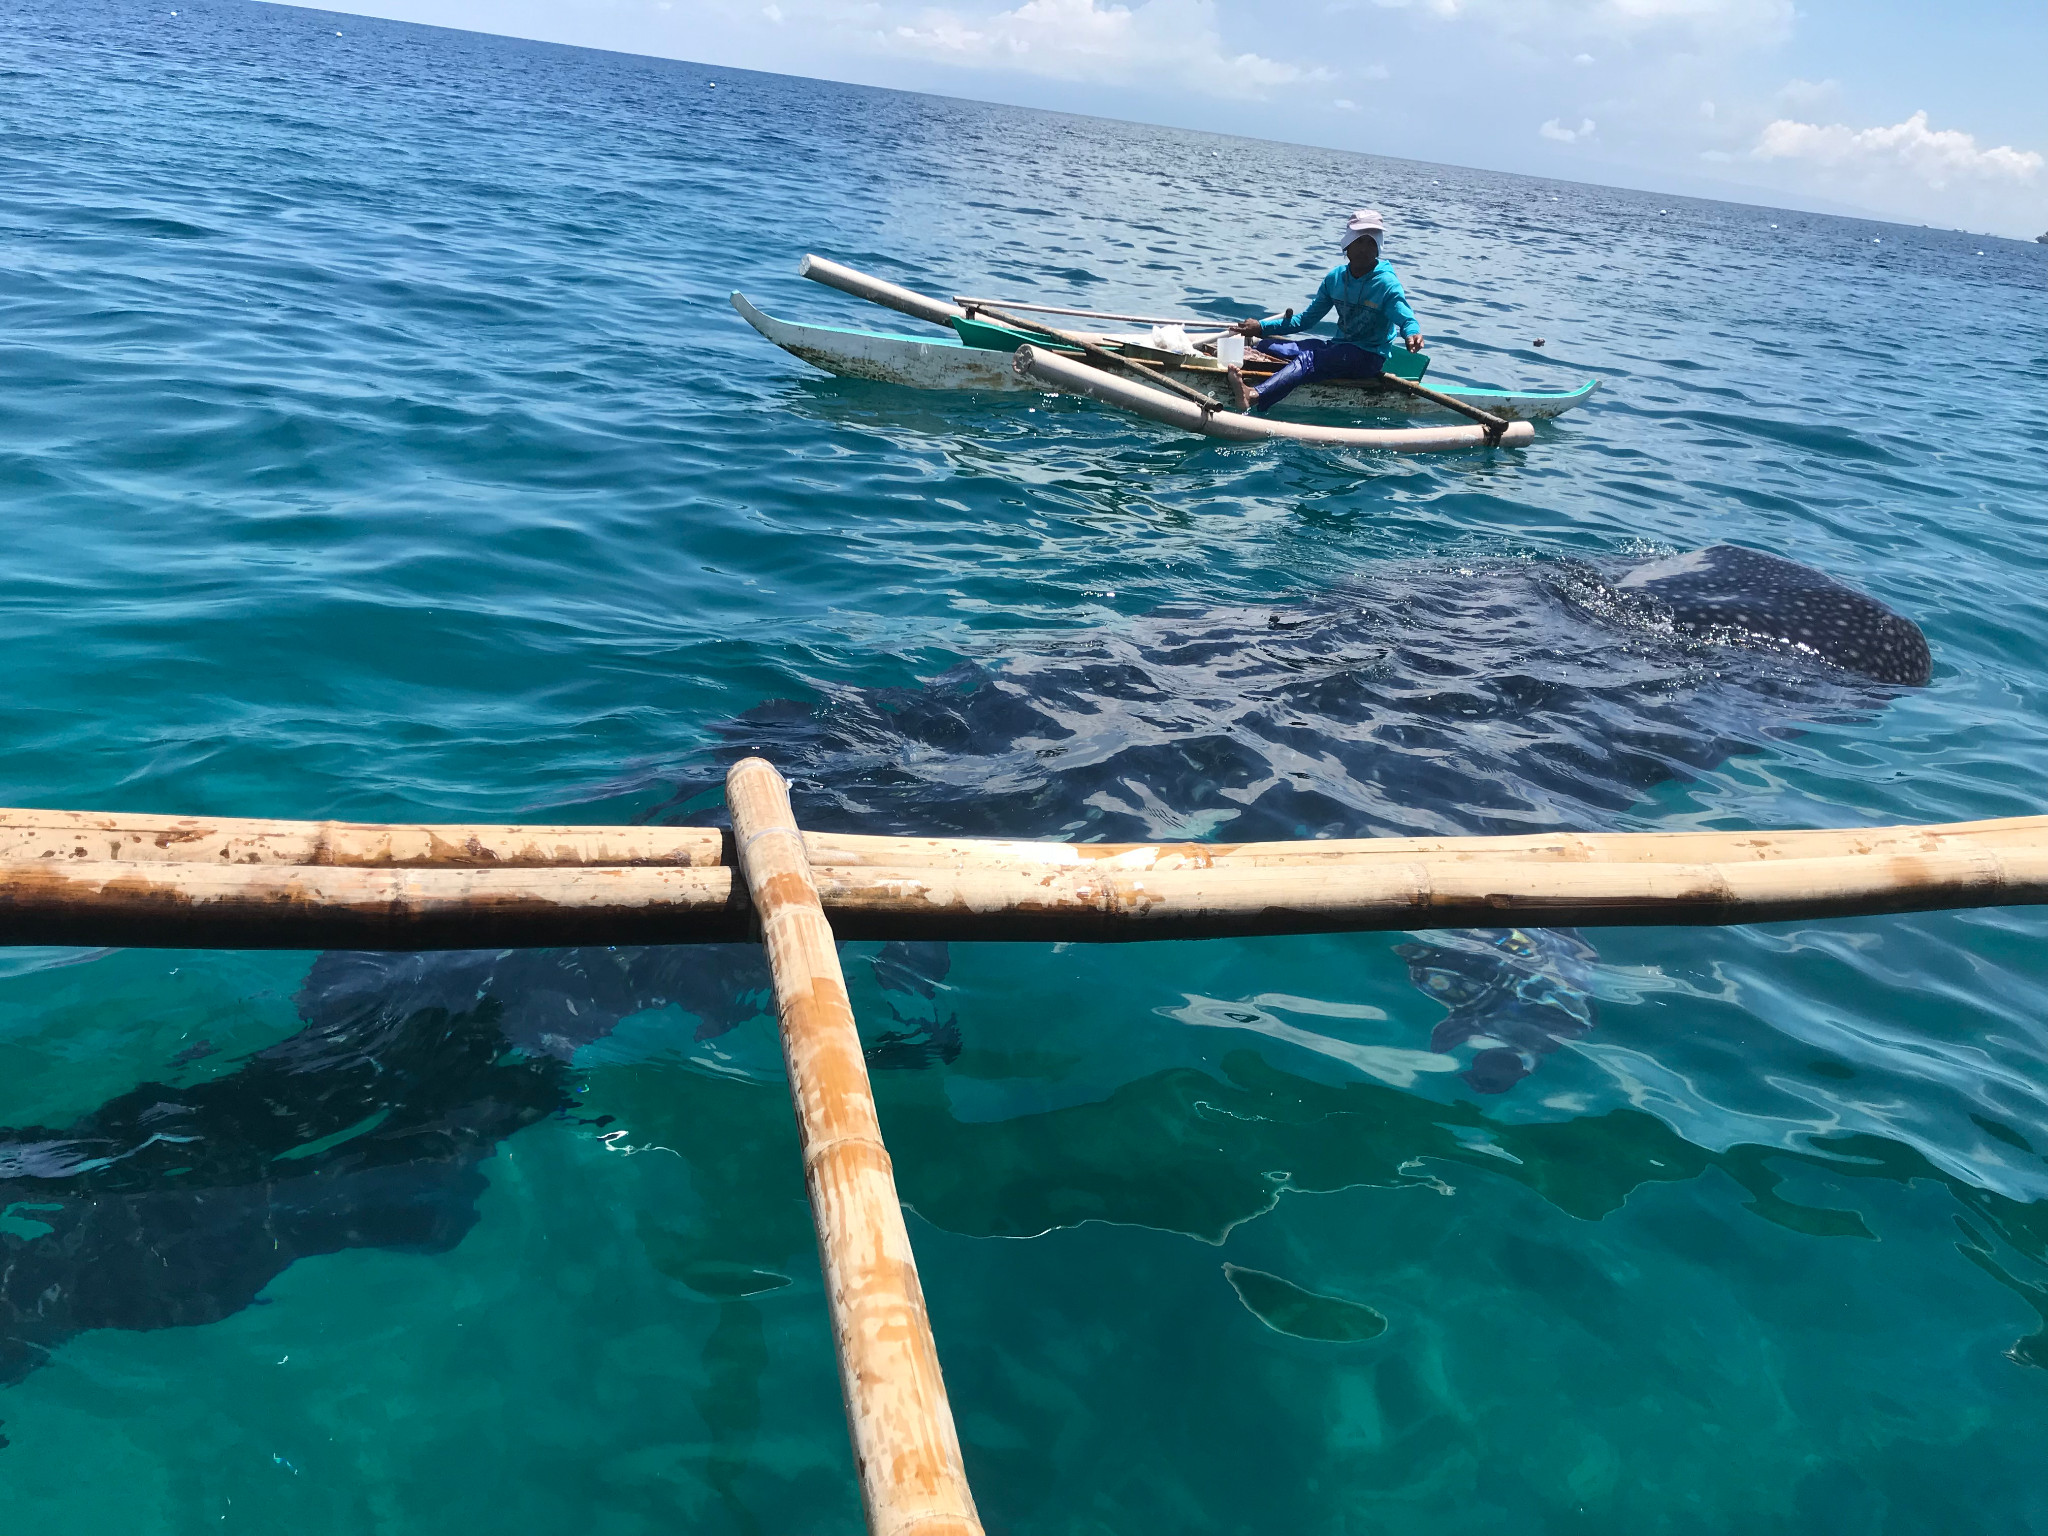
[377, 442]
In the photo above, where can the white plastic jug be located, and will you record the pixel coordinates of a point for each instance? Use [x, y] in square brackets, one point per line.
[1230, 350]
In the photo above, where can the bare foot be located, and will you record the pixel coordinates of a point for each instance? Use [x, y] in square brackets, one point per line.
[1244, 396]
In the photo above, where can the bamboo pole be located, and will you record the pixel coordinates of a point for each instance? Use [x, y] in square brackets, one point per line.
[28, 835]
[904, 1444]
[194, 883]
[166, 904]
[1063, 373]
[876, 291]
[117, 836]
[857, 850]
[1202, 402]
[1107, 904]
[1183, 322]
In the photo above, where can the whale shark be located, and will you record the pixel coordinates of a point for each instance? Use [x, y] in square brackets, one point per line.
[1443, 698]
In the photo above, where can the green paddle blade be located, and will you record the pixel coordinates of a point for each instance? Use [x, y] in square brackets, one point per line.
[1001, 338]
[1404, 364]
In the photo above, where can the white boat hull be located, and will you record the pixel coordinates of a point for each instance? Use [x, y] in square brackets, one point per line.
[948, 363]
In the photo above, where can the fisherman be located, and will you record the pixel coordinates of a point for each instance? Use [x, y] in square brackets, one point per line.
[1372, 314]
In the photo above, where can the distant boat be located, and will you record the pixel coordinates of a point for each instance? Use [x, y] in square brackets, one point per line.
[953, 364]
[978, 357]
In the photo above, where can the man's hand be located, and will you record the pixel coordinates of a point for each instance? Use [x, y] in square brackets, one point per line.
[1247, 328]
[1415, 342]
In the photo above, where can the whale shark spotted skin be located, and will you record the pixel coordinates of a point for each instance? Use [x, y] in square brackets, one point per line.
[1503, 696]
[1745, 591]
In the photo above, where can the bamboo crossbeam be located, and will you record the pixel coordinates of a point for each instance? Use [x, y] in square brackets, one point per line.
[40, 835]
[1097, 904]
[98, 835]
[877, 291]
[164, 904]
[104, 879]
[905, 1446]
[856, 850]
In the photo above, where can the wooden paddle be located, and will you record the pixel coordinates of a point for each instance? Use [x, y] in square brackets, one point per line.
[1495, 425]
[1099, 353]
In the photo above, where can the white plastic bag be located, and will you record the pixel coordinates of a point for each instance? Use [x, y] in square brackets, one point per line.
[1171, 338]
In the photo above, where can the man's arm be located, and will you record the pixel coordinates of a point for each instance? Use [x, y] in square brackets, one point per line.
[1404, 317]
[1277, 325]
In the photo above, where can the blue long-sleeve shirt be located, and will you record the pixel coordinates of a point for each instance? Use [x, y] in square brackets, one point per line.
[1372, 311]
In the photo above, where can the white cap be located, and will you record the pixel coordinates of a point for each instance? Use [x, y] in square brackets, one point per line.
[1366, 221]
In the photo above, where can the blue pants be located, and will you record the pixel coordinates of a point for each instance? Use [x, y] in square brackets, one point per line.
[1314, 357]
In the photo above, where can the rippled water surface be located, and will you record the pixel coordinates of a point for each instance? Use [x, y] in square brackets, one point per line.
[377, 442]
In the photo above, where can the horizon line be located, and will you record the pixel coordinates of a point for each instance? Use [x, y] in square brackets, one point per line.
[1841, 211]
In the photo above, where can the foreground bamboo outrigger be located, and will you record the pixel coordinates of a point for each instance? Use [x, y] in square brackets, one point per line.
[89, 878]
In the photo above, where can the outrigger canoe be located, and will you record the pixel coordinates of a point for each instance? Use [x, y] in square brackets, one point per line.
[980, 355]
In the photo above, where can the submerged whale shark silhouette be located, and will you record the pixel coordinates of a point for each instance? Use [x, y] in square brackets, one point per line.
[1497, 697]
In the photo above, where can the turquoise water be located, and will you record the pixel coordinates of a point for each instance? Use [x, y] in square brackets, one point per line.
[378, 443]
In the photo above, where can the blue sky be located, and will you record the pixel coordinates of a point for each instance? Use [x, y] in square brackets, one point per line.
[1927, 113]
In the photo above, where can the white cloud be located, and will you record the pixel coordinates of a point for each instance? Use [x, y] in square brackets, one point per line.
[1556, 130]
[1907, 170]
[1344, 106]
[1738, 24]
[1935, 157]
[1161, 43]
[1808, 95]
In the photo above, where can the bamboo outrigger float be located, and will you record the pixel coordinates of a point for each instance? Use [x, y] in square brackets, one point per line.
[88, 878]
[1156, 405]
